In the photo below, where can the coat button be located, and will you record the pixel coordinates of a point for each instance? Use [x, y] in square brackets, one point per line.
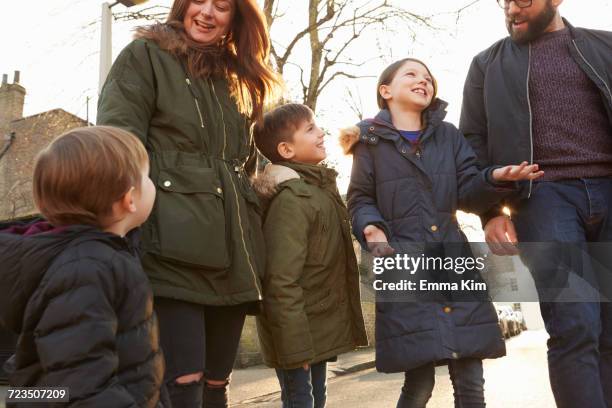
[447, 309]
[372, 139]
[371, 128]
[403, 151]
[219, 190]
[434, 228]
[167, 183]
[455, 355]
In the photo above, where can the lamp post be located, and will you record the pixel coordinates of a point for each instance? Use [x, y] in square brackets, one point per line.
[106, 37]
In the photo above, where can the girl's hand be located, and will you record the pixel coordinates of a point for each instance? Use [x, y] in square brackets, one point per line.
[377, 241]
[523, 171]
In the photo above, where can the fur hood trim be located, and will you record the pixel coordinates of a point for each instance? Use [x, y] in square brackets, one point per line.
[266, 183]
[348, 138]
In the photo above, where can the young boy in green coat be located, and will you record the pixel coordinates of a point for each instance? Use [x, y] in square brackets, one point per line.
[312, 310]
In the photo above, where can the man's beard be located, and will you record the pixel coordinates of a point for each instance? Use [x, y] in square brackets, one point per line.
[535, 27]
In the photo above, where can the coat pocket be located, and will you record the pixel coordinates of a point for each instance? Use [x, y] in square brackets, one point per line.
[191, 218]
[320, 302]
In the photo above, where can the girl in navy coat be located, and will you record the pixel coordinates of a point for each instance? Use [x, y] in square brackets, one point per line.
[411, 173]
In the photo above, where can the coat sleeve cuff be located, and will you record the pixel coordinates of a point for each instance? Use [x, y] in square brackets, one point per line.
[360, 226]
[499, 185]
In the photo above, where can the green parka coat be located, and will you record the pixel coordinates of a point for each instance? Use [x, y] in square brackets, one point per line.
[312, 308]
[203, 241]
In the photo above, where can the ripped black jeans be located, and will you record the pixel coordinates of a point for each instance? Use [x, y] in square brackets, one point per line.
[198, 339]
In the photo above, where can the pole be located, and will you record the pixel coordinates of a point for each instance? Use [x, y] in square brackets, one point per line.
[105, 44]
[87, 107]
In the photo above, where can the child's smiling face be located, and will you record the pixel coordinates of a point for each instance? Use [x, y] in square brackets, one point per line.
[411, 86]
[307, 144]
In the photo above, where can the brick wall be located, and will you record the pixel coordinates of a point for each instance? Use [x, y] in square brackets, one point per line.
[32, 134]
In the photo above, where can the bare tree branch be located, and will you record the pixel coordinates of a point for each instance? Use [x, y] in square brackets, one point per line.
[153, 13]
[355, 103]
[344, 74]
[334, 27]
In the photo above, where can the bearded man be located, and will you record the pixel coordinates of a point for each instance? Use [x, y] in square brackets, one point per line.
[543, 95]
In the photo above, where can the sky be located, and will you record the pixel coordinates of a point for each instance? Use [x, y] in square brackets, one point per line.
[55, 44]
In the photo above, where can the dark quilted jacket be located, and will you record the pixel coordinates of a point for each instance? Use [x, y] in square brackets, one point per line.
[84, 310]
[413, 195]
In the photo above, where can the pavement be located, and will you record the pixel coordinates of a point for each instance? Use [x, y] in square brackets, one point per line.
[254, 385]
[518, 380]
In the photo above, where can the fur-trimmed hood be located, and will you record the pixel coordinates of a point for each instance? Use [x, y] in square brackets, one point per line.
[275, 177]
[350, 136]
[266, 183]
[206, 60]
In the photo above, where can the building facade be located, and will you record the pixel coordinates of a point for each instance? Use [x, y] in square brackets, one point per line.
[21, 138]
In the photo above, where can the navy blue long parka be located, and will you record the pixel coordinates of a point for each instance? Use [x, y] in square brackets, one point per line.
[413, 195]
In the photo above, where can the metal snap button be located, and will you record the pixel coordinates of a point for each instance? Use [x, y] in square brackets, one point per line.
[434, 228]
[447, 309]
[167, 183]
[219, 190]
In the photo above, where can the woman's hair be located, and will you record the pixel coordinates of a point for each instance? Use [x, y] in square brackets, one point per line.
[389, 73]
[242, 56]
[79, 176]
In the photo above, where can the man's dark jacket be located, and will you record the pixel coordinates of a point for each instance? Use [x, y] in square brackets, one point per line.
[496, 116]
[84, 309]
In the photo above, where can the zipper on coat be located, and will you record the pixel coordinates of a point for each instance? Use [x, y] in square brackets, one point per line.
[592, 69]
[212, 86]
[530, 120]
[244, 245]
[195, 98]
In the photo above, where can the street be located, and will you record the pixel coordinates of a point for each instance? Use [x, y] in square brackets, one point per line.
[518, 380]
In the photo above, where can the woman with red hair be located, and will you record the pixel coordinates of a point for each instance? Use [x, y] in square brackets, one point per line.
[190, 88]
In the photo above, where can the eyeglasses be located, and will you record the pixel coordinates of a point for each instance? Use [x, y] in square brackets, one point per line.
[505, 4]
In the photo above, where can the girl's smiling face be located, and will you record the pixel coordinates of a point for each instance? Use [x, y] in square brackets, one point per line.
[411, 86]
[208, 21]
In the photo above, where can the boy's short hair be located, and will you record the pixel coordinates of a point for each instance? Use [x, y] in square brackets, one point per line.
[79, 176]
[278, 126]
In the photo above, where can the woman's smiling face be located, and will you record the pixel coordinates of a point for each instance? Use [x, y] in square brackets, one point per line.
[208, 21]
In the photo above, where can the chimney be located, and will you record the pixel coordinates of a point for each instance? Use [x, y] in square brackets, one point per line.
[12, 97]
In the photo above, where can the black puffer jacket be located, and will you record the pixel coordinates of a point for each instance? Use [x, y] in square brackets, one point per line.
[84, 310]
